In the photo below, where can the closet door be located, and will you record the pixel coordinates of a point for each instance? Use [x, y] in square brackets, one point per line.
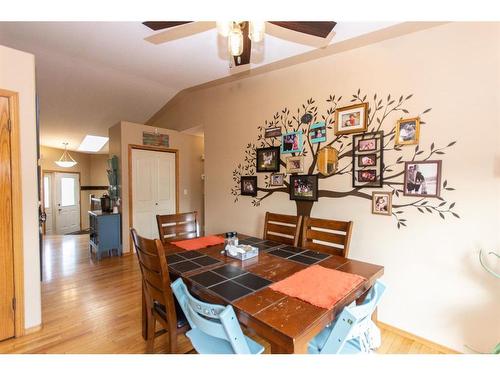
[153, 189]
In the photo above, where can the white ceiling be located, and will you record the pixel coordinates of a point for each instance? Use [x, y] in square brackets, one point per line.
[90, 75]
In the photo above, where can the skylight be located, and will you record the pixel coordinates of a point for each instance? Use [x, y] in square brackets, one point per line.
[92, 143]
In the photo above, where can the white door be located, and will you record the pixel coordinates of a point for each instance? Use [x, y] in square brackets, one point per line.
[67, 202]
[153, 189]
[48, 202]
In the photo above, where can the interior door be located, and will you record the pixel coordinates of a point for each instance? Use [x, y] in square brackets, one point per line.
[153, 189]
[7, 318]
[67, 202]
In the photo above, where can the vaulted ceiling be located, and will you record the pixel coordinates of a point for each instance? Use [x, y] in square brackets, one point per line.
[90, 75]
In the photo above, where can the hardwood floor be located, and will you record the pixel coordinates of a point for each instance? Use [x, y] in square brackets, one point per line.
[95, 307]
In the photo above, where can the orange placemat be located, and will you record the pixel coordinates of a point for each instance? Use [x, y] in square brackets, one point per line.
[199, 243]
[320, 286]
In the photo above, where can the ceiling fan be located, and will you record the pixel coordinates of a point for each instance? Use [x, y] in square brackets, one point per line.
[240, 34]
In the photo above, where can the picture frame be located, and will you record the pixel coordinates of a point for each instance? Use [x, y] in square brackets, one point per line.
[304, 187]
[367, 160]
[155, 139]
[295, 164]
[317, 132]
[267, 159]
[291, 142]
[272, 132]
[407, 131]
[351, 119]
[367, 175]
[327, 160]
[277, 179]
[369, 144]
[422, 178]
[248, 185]
[382, 203]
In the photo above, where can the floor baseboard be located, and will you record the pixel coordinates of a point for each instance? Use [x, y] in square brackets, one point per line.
[416, 338]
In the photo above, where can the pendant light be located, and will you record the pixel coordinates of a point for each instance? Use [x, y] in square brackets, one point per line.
[235, 41]
[66, 161]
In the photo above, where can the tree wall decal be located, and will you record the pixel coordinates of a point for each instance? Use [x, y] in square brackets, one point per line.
[379, 111]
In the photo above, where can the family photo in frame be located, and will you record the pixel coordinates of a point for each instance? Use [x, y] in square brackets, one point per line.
[291, 142]
[304, 187]
[351, 119]
[381, 203]
[268, 159]
[277, 179]
[317, 132]
[407, 131]
[249, 185]
[422, 178]
[295, 164]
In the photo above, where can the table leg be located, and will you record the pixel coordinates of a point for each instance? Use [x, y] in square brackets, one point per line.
[293, 349]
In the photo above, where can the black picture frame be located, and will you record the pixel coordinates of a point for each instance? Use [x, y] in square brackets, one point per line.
[358, 170]
[244, 180]
[310, 179]
[259, 158]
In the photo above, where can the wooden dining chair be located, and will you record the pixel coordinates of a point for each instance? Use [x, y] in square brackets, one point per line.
[177, 226]
[282, 228]
[160, 304]
[329, 236]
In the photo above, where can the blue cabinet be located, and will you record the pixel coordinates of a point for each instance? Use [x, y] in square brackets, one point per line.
[105, 233]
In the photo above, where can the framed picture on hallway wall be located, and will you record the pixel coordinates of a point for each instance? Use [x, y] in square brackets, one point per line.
[155, 139]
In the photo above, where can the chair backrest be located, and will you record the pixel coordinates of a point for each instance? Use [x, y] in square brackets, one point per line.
[351, 317]
[177, 226]
[282, 228]
[329, 236]
[155, 276]
[213, 320]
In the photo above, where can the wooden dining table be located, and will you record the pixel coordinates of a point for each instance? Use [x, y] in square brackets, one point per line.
[287, 323]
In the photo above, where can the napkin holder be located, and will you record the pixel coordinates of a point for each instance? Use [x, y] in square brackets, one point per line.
[242, 252]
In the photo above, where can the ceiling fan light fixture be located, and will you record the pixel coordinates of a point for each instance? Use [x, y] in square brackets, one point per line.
[256, 31]
[66, 161]
[235, 42]
[224, 28]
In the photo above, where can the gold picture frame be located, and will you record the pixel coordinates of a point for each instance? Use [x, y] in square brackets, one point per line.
[295, 164]
[351, 119]
[327, 161]
[378, 207]
[411, 131]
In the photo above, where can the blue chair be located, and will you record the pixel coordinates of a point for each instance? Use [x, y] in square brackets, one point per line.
[214, 328]
[353, 332]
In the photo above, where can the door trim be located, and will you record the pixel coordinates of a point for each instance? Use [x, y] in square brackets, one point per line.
[130, 177]
[17, 211]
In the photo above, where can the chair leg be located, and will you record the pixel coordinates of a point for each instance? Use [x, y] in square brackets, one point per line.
[172, 337]
[150, 341]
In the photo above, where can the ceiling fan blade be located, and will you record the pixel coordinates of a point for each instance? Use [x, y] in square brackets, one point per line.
[186, 30]
[244, 58]
[160, 25]
[317, 28]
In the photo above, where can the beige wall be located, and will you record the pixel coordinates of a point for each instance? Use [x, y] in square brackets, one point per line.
[92, 169]
[436, 288]
[190, 168]
[17, 73]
